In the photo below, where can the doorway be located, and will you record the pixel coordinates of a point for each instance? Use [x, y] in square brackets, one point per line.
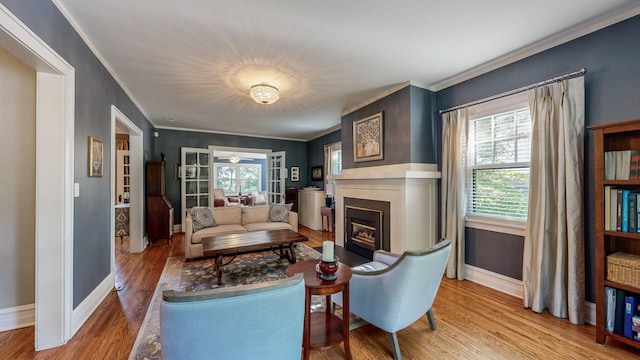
[120, 123]
[55, 94]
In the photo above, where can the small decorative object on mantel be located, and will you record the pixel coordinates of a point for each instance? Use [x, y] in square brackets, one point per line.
[95, 157]
[367, 138]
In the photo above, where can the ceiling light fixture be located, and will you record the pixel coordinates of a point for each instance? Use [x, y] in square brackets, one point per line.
[264, 94]
[235, 159]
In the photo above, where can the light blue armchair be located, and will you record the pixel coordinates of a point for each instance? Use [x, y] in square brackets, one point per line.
[394, 291]
[262, 321]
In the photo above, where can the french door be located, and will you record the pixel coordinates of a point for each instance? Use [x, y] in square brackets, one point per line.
[276, 175]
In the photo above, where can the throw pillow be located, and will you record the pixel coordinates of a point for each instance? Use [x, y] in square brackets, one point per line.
[260, 198]
[201, 218]
[279, 212]
[254, 194]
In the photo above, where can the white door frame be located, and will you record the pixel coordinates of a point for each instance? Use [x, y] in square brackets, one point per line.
[137, 241]
[55, 101]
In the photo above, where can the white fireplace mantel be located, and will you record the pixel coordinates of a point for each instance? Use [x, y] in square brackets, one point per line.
[411, 189]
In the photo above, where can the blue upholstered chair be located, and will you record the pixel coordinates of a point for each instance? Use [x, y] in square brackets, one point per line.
[261, 321]
[394, 291]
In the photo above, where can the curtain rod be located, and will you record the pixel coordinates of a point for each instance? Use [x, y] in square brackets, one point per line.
[519, 90]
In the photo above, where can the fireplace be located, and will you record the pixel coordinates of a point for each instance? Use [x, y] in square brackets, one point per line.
[366, 226]
[410, 190]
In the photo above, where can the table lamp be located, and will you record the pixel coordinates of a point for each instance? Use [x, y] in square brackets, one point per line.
[240, 183]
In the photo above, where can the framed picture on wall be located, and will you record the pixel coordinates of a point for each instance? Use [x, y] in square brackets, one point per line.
[316, 173]
[178, 172]
[367, 138]
[96, 155]
[295, 173]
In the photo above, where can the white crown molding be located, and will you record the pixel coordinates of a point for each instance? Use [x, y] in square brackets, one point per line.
[228, 133]
[573, 33]
[383, 94]
[326, 132]
[95, 51]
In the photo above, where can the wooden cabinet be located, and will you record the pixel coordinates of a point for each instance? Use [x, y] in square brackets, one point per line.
[612, 137]
[159, 208]
[291, 197]
[309, 204]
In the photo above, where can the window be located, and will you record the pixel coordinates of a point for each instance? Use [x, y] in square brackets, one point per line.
[498, 156]
[227, 174]
[336, 159]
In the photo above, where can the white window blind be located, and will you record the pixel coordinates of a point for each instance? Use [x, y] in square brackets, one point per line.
[498, 158]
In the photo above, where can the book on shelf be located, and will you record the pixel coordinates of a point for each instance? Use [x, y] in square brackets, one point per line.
[624, 212]
[623, 163]
[633, 212]
[634, 170]
[613, 212]
[619, 210]
[610, 306]
[618, 322]
[630, 309]
[637, 213]
[610, 165]
[607, 208]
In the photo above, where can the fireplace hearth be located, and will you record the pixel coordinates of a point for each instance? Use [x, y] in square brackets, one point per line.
[366, 226]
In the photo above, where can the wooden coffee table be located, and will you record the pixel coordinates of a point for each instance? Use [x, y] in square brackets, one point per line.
[220, 246]
[324, 330]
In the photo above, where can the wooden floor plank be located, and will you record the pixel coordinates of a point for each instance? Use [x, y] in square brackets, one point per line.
[473, 322]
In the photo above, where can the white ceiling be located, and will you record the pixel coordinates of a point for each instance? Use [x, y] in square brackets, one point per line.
[193, 61]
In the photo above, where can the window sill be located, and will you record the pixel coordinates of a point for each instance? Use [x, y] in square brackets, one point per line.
[499, 225]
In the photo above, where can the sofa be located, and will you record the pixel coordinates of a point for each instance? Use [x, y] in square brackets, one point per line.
[257, 198]
[233, 220]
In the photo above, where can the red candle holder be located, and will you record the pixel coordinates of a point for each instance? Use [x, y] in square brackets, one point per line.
[328, 269]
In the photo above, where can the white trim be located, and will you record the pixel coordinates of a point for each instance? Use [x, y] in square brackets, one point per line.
[496, 224]
[177, 228]
[229, 133]
[493, 280]
[55, 105]
[590, 313]
[17, 317]
[90, 303]
[137, 241]
[382, 95]
[513, 287]
[600, 22]
[95, 51]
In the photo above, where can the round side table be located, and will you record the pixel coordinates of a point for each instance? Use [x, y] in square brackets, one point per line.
[324, 330]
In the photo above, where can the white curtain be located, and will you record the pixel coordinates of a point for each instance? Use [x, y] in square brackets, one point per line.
[455, 125]
[327, 165]
[553, 262]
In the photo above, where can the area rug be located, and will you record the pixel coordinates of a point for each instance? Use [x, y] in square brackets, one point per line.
[197, 275]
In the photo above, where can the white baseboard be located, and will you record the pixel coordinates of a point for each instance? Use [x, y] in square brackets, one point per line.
[493, 280]
[513, 287]
[81, 313]
[177, 228]
[17, 317]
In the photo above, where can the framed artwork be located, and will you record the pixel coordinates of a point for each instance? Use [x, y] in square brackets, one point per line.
[316, 173]
[367, 138]
[96, 155]
[295, 173]
[178, 172]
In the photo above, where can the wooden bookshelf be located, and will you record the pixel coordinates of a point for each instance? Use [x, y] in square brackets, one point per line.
[612, 137]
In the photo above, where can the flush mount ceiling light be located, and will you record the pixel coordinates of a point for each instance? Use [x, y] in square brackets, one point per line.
[235, 159]
[264, 94]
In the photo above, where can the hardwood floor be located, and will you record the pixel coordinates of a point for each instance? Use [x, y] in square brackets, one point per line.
[474, 322]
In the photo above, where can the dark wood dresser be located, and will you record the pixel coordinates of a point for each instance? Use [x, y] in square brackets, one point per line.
[159, 208]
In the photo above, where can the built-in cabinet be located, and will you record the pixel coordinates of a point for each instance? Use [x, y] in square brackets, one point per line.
[611, 138]
[123, 180]
[309, 204]
[159, 208]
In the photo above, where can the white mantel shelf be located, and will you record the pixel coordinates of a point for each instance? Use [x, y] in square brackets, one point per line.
[411, 189]
[398, 171]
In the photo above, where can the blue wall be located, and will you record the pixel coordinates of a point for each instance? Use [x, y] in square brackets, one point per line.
[612, 57]
[170, 142]
[96, 91]
[315, 150]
